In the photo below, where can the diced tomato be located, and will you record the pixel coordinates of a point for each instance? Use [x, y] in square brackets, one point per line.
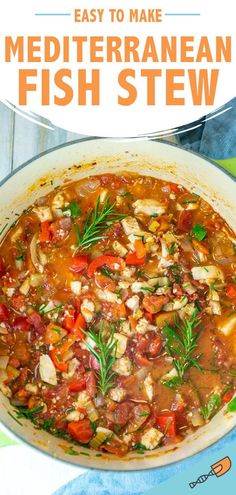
[77, 385]
[112, 262]
[79, 263]
[167, 423]
[45, 234]
[114, 311]
[54, 333]
[79, 326]
[57, 359]
[154, 304]
[123, 412]
[104, 282]
[36, 320]
[4, 314]
[185, 221]
[60, 229]
[155, 346]
[91, 384]
[228, 396]
[69, 318]
[18, 302]
[22, 324]
[140, 249]
[142, 343]
[81, 430]
[141, 361]
[132, 259]
[231, 291]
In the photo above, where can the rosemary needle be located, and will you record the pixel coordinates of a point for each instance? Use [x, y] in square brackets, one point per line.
[105, 354]
[181, 342]
[100, 219]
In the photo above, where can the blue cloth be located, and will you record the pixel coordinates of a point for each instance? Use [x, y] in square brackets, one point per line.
[216, 138]
[135, 483]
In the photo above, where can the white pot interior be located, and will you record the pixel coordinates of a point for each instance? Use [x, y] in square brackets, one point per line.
[96, 156]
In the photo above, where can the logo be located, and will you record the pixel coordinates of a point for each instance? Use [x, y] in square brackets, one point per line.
[218, 469]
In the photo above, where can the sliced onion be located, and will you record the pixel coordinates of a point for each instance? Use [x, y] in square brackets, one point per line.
[196, 418]
[186, 245]
[87, 186]
[99, 400]
[34, 254]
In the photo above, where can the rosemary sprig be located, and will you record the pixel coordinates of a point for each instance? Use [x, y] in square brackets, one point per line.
[105, 354]
[181, 342]
[100, 219]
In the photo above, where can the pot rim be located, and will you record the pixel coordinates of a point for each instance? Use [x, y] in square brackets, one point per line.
[95, 138]
[166, 143]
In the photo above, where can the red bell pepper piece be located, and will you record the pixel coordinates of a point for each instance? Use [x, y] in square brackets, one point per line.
[132, 259]
[57, 358]
[153, 304]
[81, 430]
[45, 234]
[167, 423]
[77, 385]
[79, 326]
[69, 319]
[109, 261]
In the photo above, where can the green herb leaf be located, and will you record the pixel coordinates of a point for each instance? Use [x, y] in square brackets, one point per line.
[24, 412]
[138, 446]
[3, 228]
[199, 231]
[71, 452]
[144, 413]
[213, 404]
[74, 209]
[231, 407]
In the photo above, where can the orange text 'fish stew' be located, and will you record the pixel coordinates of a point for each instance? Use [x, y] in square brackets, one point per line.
[118, 313]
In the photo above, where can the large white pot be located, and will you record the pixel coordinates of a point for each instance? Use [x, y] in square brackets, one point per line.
[96, 156]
